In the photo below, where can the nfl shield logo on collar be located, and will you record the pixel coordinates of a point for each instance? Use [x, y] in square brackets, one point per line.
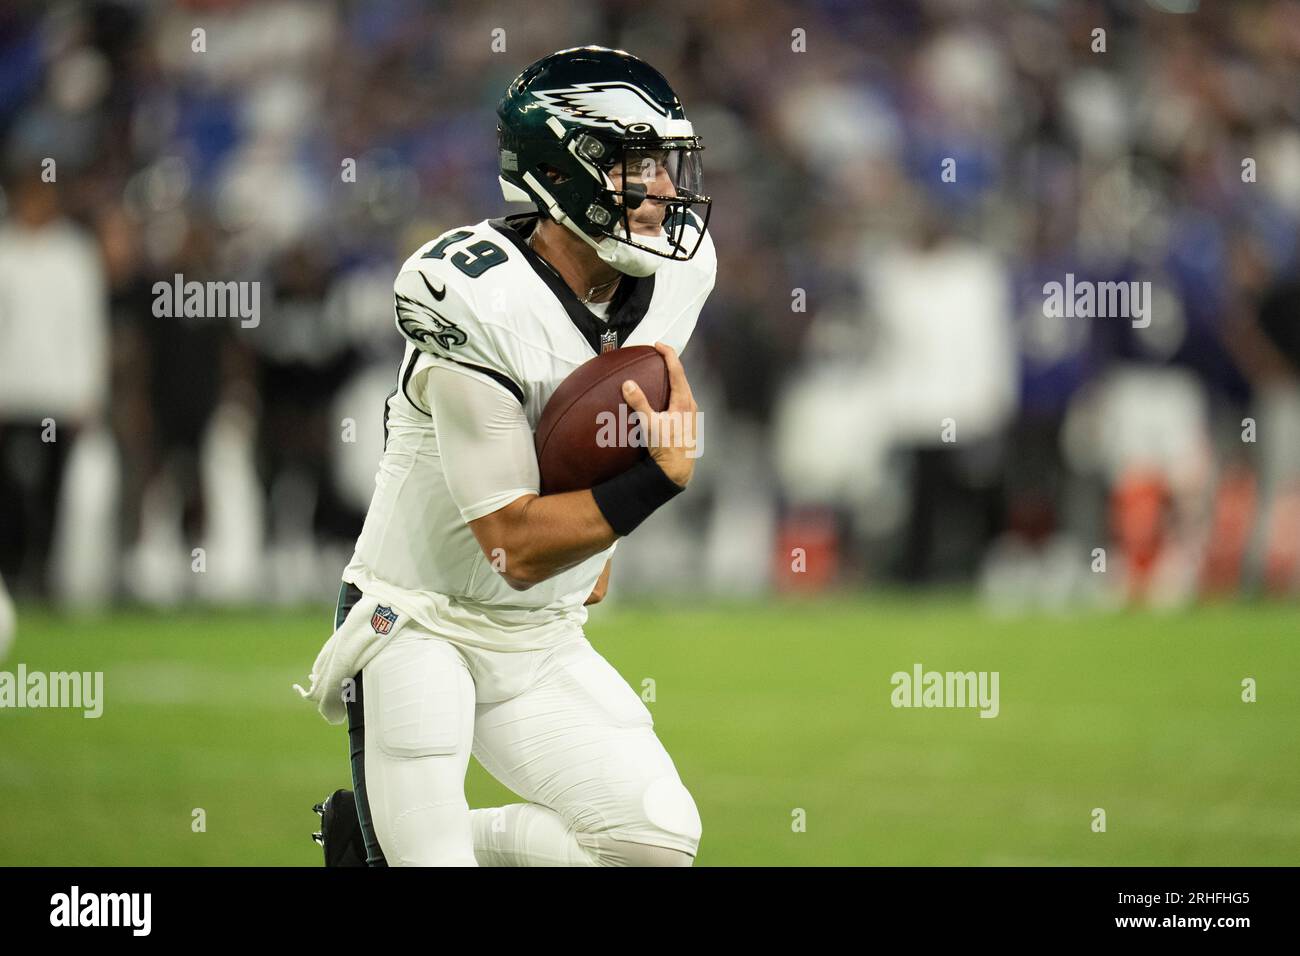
[608, 341]
[383, 619]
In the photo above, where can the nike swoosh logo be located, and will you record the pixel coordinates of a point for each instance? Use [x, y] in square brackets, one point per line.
[438, 294]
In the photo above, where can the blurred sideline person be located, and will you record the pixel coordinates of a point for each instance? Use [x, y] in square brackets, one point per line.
[464, 603]
[949, 367]
[1267, 344]
[53, 368]
[1278, 408]
[303, 354]
[174, 369]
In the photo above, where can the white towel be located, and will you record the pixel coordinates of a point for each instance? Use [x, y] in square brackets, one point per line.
[348, 650]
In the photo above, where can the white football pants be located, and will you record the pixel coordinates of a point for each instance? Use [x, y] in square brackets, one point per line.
[577, 743]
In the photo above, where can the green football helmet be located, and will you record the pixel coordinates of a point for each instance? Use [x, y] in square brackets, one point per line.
[588, 135]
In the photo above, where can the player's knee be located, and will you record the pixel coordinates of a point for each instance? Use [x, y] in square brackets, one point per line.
[429, 834]
[670, 809]
[665, 832]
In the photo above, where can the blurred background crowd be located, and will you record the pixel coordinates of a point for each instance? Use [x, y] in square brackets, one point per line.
[887, 402]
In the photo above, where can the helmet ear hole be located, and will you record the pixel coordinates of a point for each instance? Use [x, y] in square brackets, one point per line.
[553, 175]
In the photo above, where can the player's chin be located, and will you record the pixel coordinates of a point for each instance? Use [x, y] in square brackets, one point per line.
[647, 227]
[647, 231]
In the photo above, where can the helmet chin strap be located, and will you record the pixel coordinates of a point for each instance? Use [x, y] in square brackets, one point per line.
[627, 259]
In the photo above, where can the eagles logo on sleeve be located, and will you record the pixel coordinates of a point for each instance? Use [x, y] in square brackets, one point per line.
[423, 324]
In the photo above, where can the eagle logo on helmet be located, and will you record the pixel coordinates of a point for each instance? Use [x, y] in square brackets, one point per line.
[611, 105]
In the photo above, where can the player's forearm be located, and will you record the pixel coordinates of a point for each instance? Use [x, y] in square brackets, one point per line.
[534, 538]
[557, 532]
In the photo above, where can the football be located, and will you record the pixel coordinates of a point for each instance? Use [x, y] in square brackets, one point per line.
[573, 437]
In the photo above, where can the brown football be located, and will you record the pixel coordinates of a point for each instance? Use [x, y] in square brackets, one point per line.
[569, 455]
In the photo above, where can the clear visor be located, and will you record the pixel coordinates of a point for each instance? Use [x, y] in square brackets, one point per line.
[661, 191]
[665, 172]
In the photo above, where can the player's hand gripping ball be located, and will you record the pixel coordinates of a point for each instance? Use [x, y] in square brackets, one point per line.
[582, 436]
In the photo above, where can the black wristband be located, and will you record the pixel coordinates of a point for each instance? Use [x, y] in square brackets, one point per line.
[628, 499]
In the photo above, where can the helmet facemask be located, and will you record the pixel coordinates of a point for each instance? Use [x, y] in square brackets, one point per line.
[653, 198]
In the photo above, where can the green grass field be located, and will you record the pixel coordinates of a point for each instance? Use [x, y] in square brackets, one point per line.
[765, 708]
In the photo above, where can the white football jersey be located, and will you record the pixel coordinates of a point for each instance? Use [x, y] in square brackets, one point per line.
[480, 297]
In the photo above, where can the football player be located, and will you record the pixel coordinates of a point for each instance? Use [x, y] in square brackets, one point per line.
[459, 623]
